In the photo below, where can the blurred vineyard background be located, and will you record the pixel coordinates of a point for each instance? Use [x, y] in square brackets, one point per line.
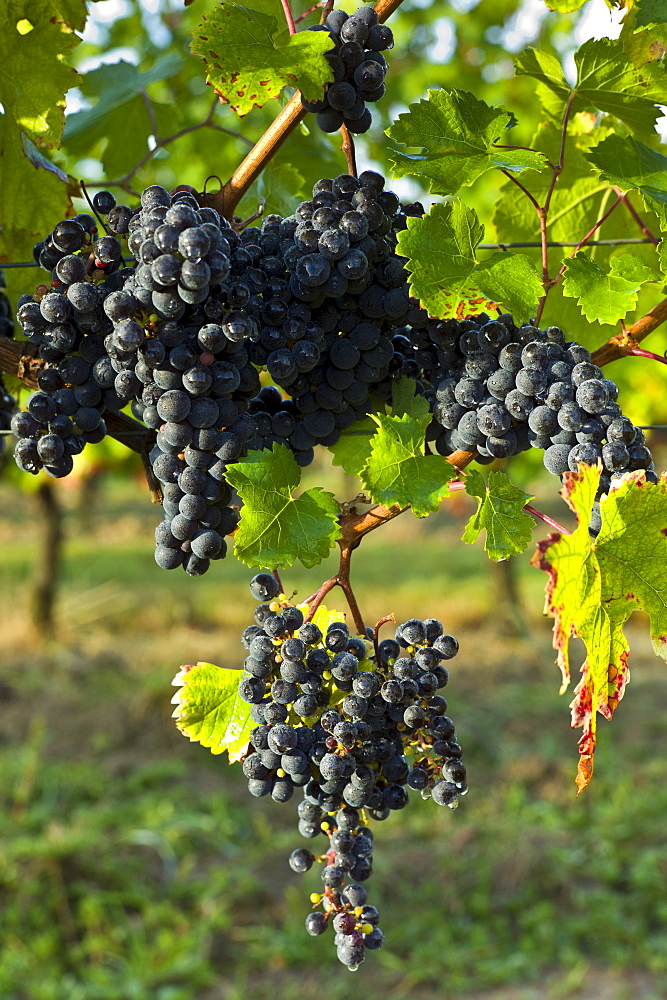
[133, 865]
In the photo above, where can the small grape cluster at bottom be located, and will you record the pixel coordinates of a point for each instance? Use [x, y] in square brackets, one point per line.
[354, 725]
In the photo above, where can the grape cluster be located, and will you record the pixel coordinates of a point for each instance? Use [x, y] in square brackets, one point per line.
[177, 345]
[326, 338]
[68, 323]
[7, 401]
[319, 302]
[354, 731]
[7, 409]
[359, 69]
[509, 389]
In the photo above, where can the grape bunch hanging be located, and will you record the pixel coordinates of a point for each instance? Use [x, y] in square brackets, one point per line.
[359, 70]
[353, 727]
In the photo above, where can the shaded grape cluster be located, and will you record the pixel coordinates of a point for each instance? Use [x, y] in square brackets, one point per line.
[512, 388]
[359, 70]
[326, 336]
[353, 730]
[7, 410]
[7, 401]
[67, 322]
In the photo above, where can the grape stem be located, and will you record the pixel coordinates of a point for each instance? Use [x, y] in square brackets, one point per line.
[617, 346]
[348, 149]
[316, 599]
[353, 528]
[376, 634]
[326, 10]
[344, 583]
[541, 516]
[636, 216]
[532, 199]
[307, 13]
[289, 17]
[637, 352]
[261, 153]
[342, 580]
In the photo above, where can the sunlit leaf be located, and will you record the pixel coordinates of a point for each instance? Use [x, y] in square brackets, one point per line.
[276, 528]
[605, 296]
[209, 710]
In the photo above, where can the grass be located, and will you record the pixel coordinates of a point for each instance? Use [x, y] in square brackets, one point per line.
[133, 865]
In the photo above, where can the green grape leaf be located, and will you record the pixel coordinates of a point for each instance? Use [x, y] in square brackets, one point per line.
[456, 133]
[446, 275]
[606, 80]
[353, 447]
[609, 82]
[406, 400]
[249, 58]
[35, 76]
[595, 585]
[398, 471]
[500, 512]
[34, 46]
[662, 253]
[630, 164]
[605, 296]
[644, 34]
[545, 68]
[276, 529]
[119, 119]
[209, 710]
[73, 13]
[355, 444]
[649, 14]
[510, 279]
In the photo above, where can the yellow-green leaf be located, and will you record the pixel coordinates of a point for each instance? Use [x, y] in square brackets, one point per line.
[209, 710]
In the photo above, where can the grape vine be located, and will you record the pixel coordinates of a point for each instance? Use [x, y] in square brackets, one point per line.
[392, 336]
